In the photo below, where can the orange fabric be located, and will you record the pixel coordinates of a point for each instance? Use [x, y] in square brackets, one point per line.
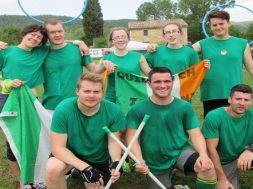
[190, 79]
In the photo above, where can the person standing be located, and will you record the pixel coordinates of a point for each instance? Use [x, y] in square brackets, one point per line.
[62, 67]
[173, 55]
[130, 61]
[227, 55]
[22, 64]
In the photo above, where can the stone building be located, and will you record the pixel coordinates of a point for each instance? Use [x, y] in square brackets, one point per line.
[150, 31]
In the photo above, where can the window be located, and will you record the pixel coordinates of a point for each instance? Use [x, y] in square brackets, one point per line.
[145, 32]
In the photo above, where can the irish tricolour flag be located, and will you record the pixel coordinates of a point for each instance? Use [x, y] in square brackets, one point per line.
[26, 125]
[131, 88]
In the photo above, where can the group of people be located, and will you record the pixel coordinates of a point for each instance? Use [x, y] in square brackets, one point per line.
[216, 151]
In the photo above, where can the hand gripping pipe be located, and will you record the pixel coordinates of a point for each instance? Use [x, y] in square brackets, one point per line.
[127, 151]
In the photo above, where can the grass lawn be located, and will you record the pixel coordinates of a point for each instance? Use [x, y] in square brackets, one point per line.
[128, 180]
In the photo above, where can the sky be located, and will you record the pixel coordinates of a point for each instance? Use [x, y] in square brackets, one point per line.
[111, 9]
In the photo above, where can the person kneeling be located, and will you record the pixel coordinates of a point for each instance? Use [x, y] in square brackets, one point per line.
[78, 140]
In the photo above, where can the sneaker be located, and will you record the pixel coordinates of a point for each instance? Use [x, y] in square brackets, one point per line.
[26, 186]
[39, 186]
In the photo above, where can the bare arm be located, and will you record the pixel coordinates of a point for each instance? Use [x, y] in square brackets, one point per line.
[144, 65]
[114, 147]
[196, 47]
[84, 50]
[3, 45]
[198, 141]
[59, 150]
[105, 65]
[223, 182]
[248, 62]
[91, 67]
[136, 150]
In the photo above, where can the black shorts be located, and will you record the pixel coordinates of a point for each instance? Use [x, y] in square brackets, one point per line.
[103, 169]
[213, 104]
[3, 98]
[9, 153]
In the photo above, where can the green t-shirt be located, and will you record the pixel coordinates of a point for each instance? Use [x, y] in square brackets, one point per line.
[165, 134]
[62, 69]
[233, 133]
[176, 60]
[130, 63]
[226, 57]
[86, 138]
[17, 63]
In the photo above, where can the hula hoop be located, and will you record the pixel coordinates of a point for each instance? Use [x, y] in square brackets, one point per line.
[41, 21]
[219, 6]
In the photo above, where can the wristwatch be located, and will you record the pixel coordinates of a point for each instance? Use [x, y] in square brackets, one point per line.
[249, 147]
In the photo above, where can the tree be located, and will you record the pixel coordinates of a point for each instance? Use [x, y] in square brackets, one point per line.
[249, 33]
[92, 22]
[194, 10]
[10, 35]
[161, 9]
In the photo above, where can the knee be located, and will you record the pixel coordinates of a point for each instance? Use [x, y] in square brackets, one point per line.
[209, 174]
[53, 172]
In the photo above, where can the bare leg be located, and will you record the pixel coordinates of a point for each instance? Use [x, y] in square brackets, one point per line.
[15, 168]
[55, 174]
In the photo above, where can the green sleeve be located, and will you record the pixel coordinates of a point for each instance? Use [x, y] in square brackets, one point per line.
[190, 118]
[1, 59]
[133, 120]
[210, 127]
[86, 60]
[194, 58]
[118, 122]
[59, 122]
[150, 59]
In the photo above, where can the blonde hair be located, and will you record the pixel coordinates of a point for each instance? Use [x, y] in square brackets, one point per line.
[87, 76]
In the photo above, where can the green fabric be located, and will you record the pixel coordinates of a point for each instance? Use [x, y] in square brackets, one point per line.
[62, 69]
[86, 139]
[205, 184]
[130, 62]
[130, 89]
[176, 60]
[233, 133]
[165, 134]
[226, 70]
[24, 129]
[16, 63]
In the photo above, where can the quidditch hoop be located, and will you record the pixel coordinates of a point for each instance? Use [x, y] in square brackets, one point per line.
[217, 7]
[41, 21]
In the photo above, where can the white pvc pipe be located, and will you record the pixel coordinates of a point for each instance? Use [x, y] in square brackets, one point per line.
[135, 137]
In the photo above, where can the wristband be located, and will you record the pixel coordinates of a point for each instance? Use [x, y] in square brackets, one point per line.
[250, 148]
[7, 86]
[90, 175]
[115, 164]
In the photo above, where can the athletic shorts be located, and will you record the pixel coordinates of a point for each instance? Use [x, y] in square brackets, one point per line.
[3, 98]
[231, 173]
[103, 169]
[185, 163]
[213, 104]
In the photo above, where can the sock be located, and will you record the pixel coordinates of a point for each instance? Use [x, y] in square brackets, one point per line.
[205, 184]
